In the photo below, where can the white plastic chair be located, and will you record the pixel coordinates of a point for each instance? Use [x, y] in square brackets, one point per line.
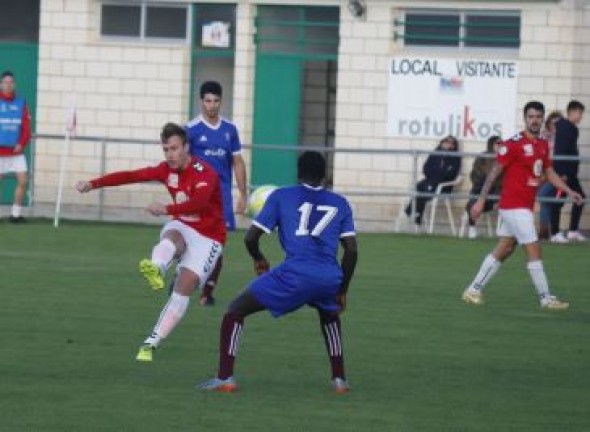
[447, 200]
[431, 206]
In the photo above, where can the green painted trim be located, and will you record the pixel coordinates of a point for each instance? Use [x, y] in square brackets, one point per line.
[297, 23]
[442, 24]
[298, 55]
[398, 36]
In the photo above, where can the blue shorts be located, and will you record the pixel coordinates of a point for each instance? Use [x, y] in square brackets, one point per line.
[285, 289]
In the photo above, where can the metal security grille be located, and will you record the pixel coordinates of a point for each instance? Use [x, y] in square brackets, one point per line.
[461, 29]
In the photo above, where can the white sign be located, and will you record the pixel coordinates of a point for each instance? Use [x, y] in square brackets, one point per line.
[216, 34]
[469, 98]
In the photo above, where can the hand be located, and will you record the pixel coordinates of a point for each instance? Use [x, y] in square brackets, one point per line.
[261, 266]
[157, 209]
[84, 186]
[241, 204]
[341, 300]
[18, 149]
[576, 197]
[477, 209]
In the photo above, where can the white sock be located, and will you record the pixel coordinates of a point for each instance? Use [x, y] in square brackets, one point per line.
[539, 278]
[163, 254]
[171, 315]
[489, 267]
[16, 210]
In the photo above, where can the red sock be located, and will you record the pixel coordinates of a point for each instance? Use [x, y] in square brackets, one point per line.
[333, 339]
[231, 330]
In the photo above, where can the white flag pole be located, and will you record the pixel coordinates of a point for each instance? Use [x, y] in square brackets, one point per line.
[69, 131]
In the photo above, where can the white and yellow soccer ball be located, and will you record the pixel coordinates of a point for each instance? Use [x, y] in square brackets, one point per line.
[257, 199]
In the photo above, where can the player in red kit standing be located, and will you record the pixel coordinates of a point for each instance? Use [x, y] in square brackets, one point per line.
[523, 159]
[195, 236]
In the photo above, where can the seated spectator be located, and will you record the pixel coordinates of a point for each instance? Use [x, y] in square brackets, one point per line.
[481, 168]
[547, 190]
[438, 168]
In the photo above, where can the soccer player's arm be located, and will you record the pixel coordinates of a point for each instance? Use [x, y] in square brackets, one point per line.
[25, 131]
[252, 242]
[558, 182]
[241, 182]
[348, 264]
[239, 168]
[503, 158]
[121, 178]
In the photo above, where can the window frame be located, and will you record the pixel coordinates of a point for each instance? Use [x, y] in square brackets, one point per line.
[142, 38]
[462, 39]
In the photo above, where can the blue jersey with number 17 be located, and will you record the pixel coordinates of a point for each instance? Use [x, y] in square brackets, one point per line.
[311, 221]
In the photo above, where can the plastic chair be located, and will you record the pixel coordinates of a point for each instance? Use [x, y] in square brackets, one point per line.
[447, 200]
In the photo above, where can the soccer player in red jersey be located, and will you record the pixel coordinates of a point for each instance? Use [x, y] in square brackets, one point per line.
[195, 236]
[523, 159]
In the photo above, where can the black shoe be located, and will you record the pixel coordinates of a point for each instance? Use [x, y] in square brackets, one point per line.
[207, 300]
[16, 219]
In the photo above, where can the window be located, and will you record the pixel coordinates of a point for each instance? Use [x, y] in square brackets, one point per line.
[460, 29]
[143, 21]
[20, 21]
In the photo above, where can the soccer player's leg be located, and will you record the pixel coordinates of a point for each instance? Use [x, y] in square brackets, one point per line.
[171, 314]
[171, 244]
[229, 339]
[206, 298]
[331, 330]
[473, 294]
[539, 279]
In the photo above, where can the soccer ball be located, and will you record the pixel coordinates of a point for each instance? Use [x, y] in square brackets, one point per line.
[257, 199]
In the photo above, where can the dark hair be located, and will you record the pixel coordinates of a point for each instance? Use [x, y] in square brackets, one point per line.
[491, 141]
[171, 129]
[575, 105]
[451, 138]
[7, 74]
[212, 87]
[553, 115]
[311, 166]
[536, 105]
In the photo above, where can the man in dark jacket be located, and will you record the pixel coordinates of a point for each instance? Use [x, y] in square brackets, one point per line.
[566, 144]
[439, 168]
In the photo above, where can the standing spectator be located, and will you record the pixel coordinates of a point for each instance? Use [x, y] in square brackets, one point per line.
[216, 140]
[481, 168]
[524, 159]
[566, 144]
[547, 190]
[195, 236]
[438, 168]
[311, 222]
[15, 133]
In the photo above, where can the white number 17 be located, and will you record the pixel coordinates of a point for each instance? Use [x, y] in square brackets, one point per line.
[305, 209]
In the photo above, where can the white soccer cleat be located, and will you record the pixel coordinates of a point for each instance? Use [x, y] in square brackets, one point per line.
[558, 238]
[472, 296]
[576, 236]
[472, 232]
[553, 303]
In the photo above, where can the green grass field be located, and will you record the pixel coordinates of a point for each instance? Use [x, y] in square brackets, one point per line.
[74, 310]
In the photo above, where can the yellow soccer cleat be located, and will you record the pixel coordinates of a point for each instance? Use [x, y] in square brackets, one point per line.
[472, 297]
[553, 303]
[151, 273]
[145, 353]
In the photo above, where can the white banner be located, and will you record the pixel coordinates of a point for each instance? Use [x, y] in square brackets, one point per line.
[432, 97]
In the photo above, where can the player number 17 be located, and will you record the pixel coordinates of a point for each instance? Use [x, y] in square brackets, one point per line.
[305, 209]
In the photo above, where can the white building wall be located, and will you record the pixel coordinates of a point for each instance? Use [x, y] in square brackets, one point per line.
[128, 90]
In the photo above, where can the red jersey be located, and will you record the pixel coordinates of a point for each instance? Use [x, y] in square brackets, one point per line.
[196, 193]
[524, 159]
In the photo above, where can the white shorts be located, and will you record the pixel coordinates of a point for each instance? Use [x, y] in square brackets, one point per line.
[13, 164]
[201, 252]
[518, 223]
